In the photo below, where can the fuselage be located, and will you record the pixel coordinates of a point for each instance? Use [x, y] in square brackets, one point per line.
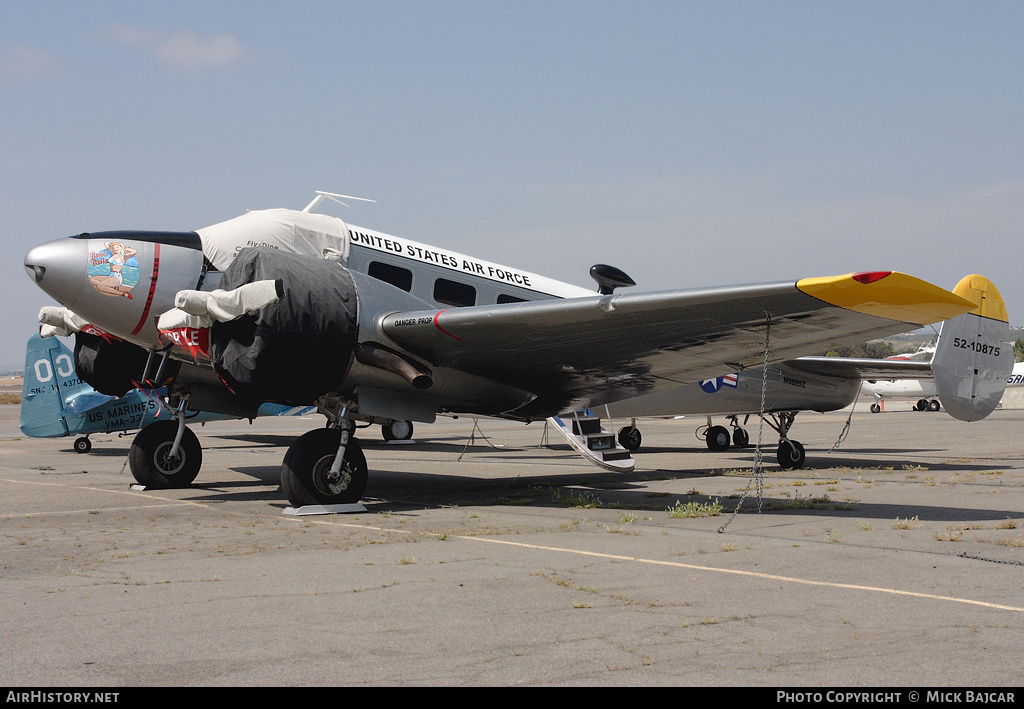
[121, 282]
[785, 389]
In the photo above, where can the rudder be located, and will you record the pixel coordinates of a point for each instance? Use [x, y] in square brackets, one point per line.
[974, 356]
[48, 367]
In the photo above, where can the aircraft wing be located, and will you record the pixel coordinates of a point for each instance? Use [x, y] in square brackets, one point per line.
[865, 368]
[579, 352]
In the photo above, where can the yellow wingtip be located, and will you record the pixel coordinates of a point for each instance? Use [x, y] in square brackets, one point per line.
[888, 294]
[985, 296]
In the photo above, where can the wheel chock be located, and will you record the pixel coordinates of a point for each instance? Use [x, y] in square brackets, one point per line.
[350, 508]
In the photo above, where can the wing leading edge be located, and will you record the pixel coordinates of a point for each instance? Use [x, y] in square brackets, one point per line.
[580, 352]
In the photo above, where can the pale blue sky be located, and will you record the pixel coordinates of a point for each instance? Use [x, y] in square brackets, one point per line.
[688, 143]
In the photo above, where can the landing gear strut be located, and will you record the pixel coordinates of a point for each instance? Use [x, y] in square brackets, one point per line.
[717, 438]
[629, 437]
[325, 466]
[166, 454]
[396, 430]
[740, 437]
[791, 454]
[879, 403]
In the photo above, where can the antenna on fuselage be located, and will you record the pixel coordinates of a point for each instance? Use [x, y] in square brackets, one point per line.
[321, 196]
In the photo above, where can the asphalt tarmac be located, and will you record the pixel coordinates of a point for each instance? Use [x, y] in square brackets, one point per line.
[896, 560]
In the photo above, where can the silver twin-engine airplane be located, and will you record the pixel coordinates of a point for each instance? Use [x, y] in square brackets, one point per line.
[298, 308]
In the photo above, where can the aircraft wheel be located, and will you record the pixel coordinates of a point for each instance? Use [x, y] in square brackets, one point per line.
[306, 471]
[791, 455]
[397, 431]
[740, 438]
[630, 438]
[922, 404]
[875, 408]
[718, 438]
[934, 405]
[83, 445]
[148, 457]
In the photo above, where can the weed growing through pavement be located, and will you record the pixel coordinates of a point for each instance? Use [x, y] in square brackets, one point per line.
[575, 498]
[695, 509]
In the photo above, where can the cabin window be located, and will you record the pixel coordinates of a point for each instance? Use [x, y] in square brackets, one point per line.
[395, 275]
[454, 293]
[505, 298]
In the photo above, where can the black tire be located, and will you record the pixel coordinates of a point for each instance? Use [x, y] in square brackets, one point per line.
[791, 455]
[740, 438]
[309, 460]
[934, 405]
[83, 445]
[922, 404]
[875, 408]
[718, 438]
[397, 430]
[630, 438]
[148, 456]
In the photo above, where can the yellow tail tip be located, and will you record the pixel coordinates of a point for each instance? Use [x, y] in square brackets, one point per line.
[985, 296]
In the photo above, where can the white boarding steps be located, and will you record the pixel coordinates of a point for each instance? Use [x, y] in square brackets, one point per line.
[585, 433]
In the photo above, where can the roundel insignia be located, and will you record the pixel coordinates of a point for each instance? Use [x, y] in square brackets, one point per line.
[713, 385]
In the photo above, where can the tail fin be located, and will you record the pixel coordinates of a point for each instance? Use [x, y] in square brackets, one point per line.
[974, 356]
[49, 380]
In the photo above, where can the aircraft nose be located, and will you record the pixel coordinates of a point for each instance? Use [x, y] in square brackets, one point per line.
[58, 268]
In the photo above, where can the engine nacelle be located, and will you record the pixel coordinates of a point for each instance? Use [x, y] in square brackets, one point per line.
[109, 366]
[306, 344]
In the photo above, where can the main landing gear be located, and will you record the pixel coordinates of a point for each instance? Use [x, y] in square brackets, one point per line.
[629, 436]
[325, 466]
[166, 454]
[396, 430]
[790, 454]
[921, 405]
[718, 438]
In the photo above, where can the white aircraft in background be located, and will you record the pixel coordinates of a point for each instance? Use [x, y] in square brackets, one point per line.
[923, 390]
[298, 308]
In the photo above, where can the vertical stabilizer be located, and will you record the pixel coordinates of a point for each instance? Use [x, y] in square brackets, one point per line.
[974, 356]
[49, 370]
